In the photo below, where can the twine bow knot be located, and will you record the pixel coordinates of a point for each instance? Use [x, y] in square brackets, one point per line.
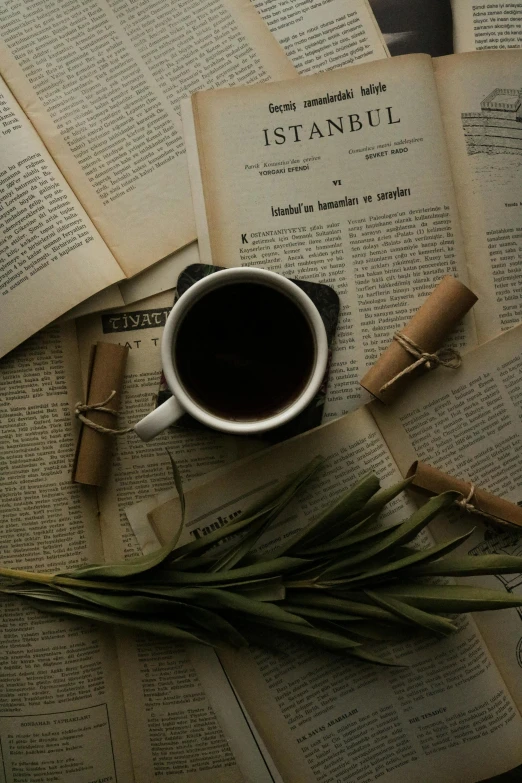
[466, 504]
[82, 408]
[448, 357]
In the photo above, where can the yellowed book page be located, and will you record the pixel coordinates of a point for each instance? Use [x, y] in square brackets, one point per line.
[102, 86]
[321, 36]
[480, 97]
[108, 298]
[52, 257]
[154, 280]
[178, 734]
[320, 714]
[196, 183]
[342, 178]
[185, 722]
[468, 423]
[165, 702]
[61, 711]
[163, 276]
[486, 25]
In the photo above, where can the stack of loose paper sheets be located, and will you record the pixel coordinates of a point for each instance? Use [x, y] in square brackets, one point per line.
[409, 169]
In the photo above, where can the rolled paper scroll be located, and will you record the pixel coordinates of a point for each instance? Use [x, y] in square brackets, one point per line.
[93, 451]
[421, 337]
[475, 500]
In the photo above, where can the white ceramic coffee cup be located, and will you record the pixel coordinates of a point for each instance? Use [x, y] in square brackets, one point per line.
[181, 402]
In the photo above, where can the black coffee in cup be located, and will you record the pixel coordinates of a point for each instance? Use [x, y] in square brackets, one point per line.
[244, 351]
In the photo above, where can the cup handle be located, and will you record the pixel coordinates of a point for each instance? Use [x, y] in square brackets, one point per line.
[159, 419]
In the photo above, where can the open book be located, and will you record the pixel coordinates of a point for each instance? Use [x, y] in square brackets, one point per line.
[93, 179]
[130, 708]
[378, 180]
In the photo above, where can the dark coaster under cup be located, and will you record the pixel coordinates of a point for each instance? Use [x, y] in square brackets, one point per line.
[327, 303]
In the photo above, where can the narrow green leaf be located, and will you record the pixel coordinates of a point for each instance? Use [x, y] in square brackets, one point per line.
[364, 518]
[124, 603]
[380, 632]
[471, 565]
[275, 567]
[184, 612]
[360, 540]
[450, 598]
[271, 589]
[232, 557]
[226, 599]
[361, 518]
[370, 657]
[54, 580]
[179, 486]
[237, 552]
[351, 528]
[344, 605]
[319, 614]
[421, 556]
[425, 620]
[378, 501]
[274, 497]
[157, 627]
[218, 625]
[337, 516]
[40, 593]
[348, 540]
[400, 535]
[201, 545]
[333, 641]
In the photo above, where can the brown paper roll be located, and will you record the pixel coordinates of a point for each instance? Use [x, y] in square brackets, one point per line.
[498, 510]
[93, 451]
[428, 328]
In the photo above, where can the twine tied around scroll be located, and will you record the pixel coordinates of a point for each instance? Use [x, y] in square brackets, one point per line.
[448, 357]
[466, 505]
[82, 408]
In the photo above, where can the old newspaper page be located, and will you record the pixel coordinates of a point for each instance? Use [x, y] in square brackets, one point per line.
[343, 178]
[324, 717]
[480, 98]
[468, 423]
[61, 710]
[45, 235]
[102, 86]
[482, 24]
